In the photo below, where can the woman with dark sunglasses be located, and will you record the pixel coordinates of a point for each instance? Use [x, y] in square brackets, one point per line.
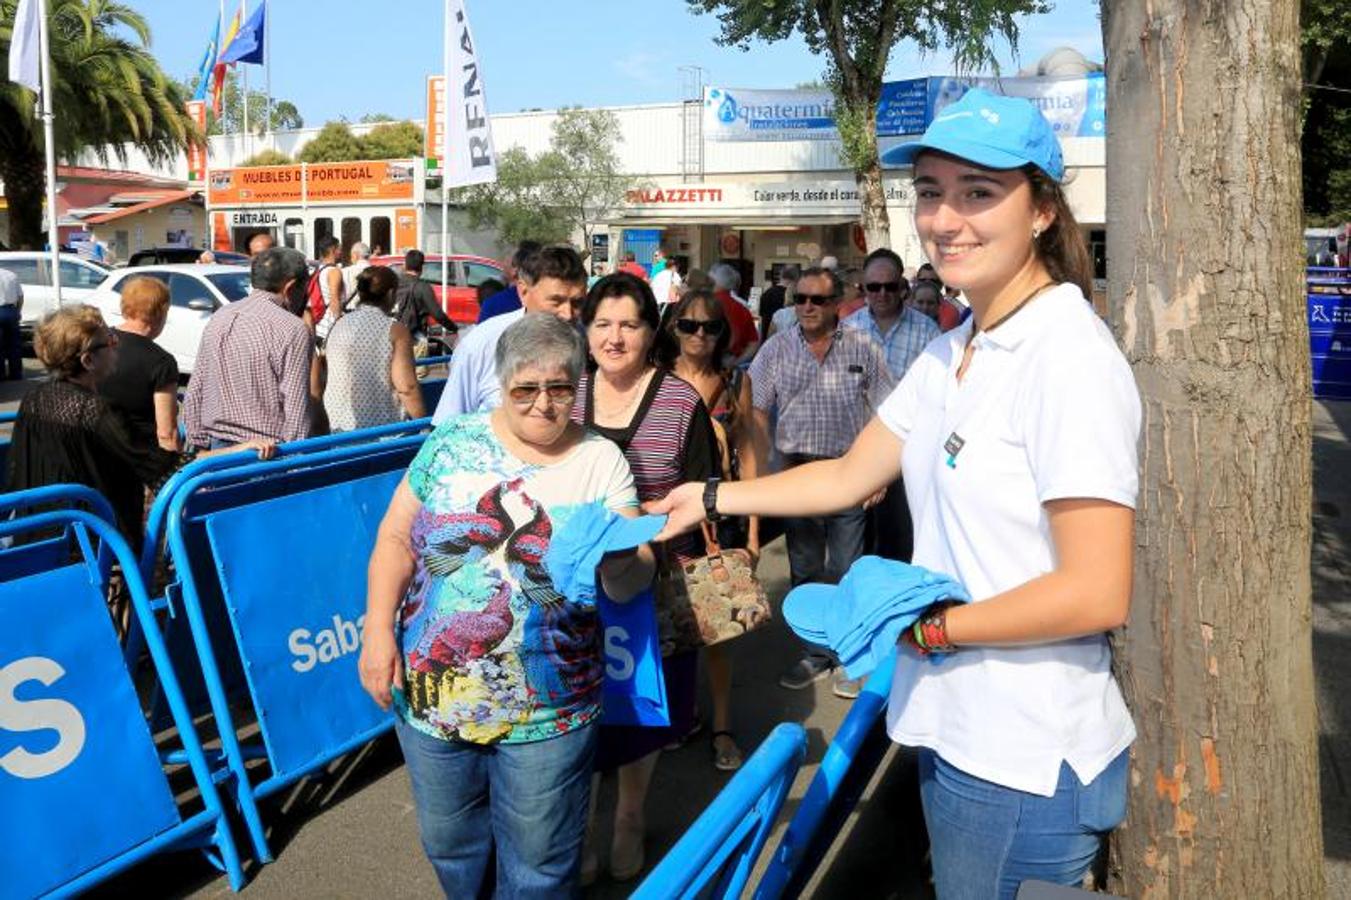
[696, 351]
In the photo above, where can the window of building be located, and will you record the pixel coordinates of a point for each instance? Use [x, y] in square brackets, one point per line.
[293, 233]
[351, 234]
[322, 228]
[380, 236]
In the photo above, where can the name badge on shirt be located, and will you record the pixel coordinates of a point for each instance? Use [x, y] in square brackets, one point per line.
[953, 445]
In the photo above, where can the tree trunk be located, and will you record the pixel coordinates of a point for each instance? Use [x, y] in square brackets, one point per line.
[875, 220]
[1206, 290]
[25, 178]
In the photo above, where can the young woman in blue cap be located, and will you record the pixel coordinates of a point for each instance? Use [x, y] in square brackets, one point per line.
[1016, 433]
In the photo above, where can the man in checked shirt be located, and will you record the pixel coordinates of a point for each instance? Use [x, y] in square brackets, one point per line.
[825, 381]
[251, 379]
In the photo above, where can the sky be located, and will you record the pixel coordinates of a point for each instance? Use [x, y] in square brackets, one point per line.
[360, 57]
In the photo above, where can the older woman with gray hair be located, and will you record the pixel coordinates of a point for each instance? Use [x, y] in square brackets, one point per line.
[745, 333]
[495, 677]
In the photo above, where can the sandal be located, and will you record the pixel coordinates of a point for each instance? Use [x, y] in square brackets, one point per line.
[726, 760]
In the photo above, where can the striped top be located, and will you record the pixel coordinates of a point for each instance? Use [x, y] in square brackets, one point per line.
[668, 442]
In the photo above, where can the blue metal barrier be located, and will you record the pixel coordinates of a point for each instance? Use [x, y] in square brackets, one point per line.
[294, 607]
[829, 799]
[719, 850]
[45, 552]
[97, 800]
[432, 388]
[154, 524]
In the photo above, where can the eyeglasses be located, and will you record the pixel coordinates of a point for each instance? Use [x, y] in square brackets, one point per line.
[558, 392]
[877, 287]
[710, 327]
[816, 299]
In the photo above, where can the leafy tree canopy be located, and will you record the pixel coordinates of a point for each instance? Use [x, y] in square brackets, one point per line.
[285, 115]
[267, 157]
[561, 192]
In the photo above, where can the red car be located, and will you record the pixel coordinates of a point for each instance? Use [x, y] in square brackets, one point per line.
[466, 274]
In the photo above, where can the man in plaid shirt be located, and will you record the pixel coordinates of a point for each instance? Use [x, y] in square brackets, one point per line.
[825, 381]
[251, 380]
[902, 332]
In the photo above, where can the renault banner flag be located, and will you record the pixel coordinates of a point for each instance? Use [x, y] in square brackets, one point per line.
[468, 137]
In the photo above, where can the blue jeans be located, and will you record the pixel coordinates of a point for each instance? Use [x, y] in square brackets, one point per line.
[822, 548]
[987, 839]
[11, 343]
[527, 802]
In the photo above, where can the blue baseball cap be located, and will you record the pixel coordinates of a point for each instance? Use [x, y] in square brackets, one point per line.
[989, 130]
[586, 534]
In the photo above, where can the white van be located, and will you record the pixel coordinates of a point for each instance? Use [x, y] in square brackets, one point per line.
[79, 278]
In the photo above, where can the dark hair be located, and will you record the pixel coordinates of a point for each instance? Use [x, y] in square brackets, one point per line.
[325, 245]
[275, 266]
[836, 285]
[1061, 247]
[487, 287]
[622, 284]
[889, 255]
[377, 286]
[525, 250]
[932, 276]
[558, 261]
[668, 345]
[414, 260]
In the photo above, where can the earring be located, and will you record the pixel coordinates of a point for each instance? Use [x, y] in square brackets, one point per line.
[1036, 232]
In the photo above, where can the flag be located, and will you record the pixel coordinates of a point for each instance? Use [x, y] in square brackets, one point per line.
[247, 44]
[208, 63]
[218, 72]
[469, 158]
[23, 45]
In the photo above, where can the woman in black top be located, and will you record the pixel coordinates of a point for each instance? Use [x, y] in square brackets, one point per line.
[68, 434]
[143, 384]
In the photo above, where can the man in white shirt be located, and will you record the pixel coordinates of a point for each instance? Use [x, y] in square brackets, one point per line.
[11, 310]
[359, 260]
[552, 280]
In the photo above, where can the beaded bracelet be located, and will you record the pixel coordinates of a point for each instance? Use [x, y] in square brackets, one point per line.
[930, 631]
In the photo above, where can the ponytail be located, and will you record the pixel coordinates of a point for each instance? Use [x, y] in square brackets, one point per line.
[1061, 247]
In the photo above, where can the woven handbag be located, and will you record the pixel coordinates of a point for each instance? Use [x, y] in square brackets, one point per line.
[710, 599]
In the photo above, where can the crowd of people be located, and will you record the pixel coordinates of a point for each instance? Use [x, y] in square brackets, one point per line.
[975, 418]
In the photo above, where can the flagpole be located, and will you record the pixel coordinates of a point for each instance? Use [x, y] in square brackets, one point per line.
[267, 76]
[53, 234]
[445, 157]
[244, 17]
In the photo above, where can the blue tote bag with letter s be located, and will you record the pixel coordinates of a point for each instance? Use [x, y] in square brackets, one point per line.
[635, 689]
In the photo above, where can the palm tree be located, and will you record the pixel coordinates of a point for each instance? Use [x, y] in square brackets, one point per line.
[109, 96]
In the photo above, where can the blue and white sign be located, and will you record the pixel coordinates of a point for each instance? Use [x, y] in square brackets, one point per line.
[1075, 107]
[80, 781]
[736, 114]
[1330, 341]
[903, 107]
[297, 600]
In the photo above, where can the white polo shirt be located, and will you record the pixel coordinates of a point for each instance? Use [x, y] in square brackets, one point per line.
[472, 384]
[1047, 410]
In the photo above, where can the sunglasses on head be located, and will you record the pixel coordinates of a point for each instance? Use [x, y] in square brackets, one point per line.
[877, 287]
[710, 327]
[816, 299]
[558, 392]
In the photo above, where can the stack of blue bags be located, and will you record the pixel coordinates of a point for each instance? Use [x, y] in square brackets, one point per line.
[586, 534]
[863, 617]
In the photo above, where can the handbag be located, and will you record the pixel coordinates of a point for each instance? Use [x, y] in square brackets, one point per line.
[709, 599]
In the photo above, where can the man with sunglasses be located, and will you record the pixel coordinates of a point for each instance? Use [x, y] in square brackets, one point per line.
[902, 333]
[825, 381]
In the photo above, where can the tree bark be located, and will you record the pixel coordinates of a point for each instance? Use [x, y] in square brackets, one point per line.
[1206, 291]
[875, 219]
[25, 178]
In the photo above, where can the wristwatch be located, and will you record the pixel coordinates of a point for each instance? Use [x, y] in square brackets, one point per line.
[711, 500]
